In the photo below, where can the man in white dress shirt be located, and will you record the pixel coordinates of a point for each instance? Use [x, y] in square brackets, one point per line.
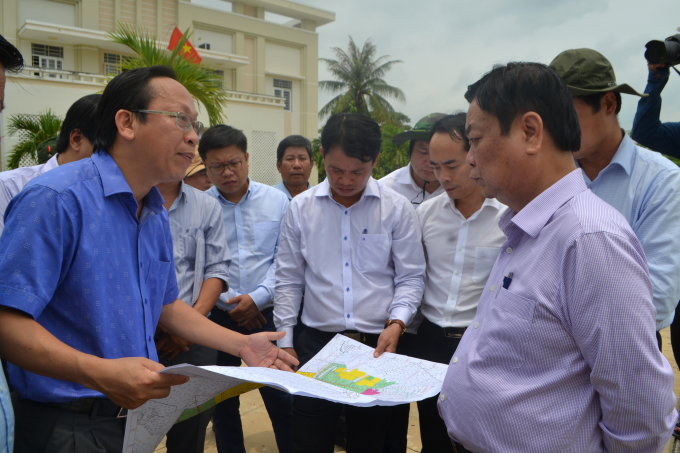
[462, 240]
[74, 143]
[416, 181]
[354, 247]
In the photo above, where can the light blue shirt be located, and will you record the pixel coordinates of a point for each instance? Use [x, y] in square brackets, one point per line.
[199, 242]
[644, 186]
[252, 227]
[6, 418]
[282, 187]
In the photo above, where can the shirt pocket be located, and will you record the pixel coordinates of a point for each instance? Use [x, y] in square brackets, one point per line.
[157, 279]
[485, 257]
[266, 234]
[373, 252]
[185, 244]
[504, 339]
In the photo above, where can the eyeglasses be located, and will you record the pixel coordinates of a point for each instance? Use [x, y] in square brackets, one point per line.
[415, 200]
[182, 120]
[219, 169]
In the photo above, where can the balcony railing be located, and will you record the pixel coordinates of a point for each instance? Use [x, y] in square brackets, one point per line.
[63, 76]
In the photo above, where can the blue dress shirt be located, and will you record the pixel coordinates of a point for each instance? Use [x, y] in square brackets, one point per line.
[282, 187]
[252, 228]
[6, 418]
[644, 186]
[76, 258]
[647, 127]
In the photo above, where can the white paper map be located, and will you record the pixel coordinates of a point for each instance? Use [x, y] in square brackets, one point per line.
[344, 371]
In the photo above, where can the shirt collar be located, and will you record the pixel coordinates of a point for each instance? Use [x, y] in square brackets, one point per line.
[535, 215]
[51, 163]
[372, 189]
[221, 199]
[490, 203]
[183, 196]
[113, 181]
[623, 157]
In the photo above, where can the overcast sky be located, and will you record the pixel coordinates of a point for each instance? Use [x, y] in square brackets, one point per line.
[447, 45]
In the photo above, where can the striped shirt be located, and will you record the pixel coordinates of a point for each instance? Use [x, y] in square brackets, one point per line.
[562, 355]
[199, 242]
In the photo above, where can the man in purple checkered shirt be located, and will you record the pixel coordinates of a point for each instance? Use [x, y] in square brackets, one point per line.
[561, 355]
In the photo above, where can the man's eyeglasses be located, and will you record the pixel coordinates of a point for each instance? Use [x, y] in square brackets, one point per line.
[182, 120]
[219, 169]
[420, 197]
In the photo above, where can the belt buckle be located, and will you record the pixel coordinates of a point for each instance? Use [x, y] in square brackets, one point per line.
[452, 335]
[122, 413]
[353, 336]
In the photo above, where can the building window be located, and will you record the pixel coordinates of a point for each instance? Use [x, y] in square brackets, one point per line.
[283, 89]
[48, 57]
[113, 61]
[219, 76]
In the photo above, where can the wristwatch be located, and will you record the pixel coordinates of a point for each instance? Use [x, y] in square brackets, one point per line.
[397, 321]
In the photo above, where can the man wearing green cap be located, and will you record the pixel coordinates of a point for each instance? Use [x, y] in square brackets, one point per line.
[416, 181]
[641, 184]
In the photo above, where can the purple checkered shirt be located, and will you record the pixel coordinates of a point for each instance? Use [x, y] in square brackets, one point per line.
[565, 359]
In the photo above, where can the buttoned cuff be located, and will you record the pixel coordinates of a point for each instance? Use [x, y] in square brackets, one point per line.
[261, 298]
[287, 341]
[402, 314]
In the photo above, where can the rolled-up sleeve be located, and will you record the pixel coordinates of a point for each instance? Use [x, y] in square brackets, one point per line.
[409, 265]
[613, 325]
[290, 277]
[36, 248]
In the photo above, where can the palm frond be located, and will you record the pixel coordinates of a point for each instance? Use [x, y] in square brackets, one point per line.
[331, 86]
[35, 131]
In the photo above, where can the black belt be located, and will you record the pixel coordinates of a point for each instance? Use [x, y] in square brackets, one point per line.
[266, 311]
[454, 332]
[96, 407]
[458, 448]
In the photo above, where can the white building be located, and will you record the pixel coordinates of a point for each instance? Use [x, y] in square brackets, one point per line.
[270, 69]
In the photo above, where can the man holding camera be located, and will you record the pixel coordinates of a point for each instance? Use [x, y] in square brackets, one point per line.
[647, 128]
[640, 184]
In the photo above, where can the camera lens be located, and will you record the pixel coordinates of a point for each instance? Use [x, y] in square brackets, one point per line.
[664, 52]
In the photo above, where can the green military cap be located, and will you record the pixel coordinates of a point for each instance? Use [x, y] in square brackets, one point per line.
[421, 131]
[47, 149]
[586, 71]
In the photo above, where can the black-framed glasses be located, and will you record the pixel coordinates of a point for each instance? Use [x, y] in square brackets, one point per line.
[420, 195]
[182, 120]
[218, 169]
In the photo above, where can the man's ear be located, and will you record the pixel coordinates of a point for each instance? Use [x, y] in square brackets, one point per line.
[375, 162]
[608, 103]
[125, 122]
[532, 127]
[278, 166]
[321, 151]
[75, 140]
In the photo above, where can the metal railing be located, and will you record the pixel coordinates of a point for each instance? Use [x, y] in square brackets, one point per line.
[60, 75]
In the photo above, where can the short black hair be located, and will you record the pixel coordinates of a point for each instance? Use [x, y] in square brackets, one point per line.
[220, 136]
[129, 90]
[293, 140]
[357, 135]
[81, 116]
[593, 100]
[520, 87]
[454, 125]
[10, 57]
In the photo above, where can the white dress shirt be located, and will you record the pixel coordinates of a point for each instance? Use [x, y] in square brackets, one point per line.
[11, 183]
[460, 253]
[357, 266]
[402, 182]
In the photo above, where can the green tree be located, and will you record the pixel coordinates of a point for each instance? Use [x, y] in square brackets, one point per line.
[34, 131]
[359, 77]
[197, 79]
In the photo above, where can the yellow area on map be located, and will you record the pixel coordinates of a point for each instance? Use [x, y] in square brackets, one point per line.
[307, 374]
[369, 381]
[238, 390]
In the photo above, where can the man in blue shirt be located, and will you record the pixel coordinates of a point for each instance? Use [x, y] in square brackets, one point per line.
[252, 214]
[641, 184]
[648, 130]
[87, 274]
[10, 61]
[294, 162]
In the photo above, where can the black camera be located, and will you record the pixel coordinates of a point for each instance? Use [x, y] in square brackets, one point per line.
[664, 52]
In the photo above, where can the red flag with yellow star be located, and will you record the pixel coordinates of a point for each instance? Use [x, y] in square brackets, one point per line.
[187, 51]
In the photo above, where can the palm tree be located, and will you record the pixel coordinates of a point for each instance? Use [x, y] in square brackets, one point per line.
[360, 76]
[35, 130]
[197, 79]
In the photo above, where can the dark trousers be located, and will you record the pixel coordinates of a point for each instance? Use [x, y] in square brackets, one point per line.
[315, 420]
[675, 335]
[227, 418]
[188, 436]
[434, 345]
[44, 429]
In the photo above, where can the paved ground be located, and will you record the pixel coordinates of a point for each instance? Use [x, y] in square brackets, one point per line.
[259, 437]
